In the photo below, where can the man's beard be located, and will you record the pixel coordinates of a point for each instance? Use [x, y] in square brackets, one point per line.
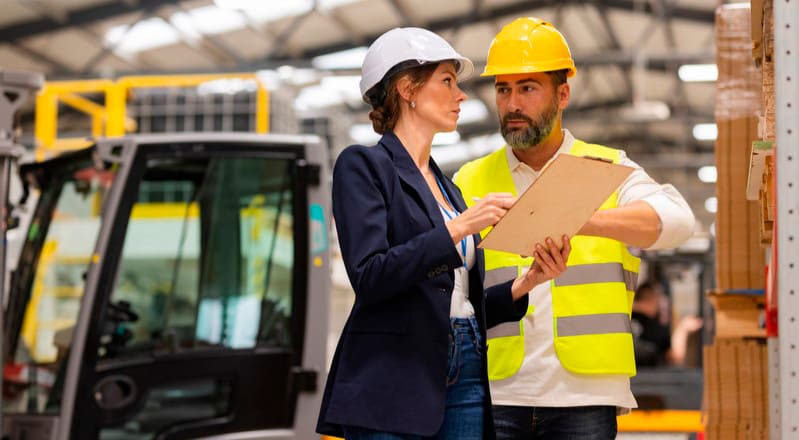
[537, 129]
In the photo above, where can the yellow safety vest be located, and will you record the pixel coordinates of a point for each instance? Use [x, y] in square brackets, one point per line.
[591, 301]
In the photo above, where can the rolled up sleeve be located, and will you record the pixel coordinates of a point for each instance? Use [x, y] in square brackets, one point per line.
[676, 218]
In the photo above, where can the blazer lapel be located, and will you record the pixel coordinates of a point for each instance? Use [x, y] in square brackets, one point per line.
[412, 177]
[453, 192]
[456, 199]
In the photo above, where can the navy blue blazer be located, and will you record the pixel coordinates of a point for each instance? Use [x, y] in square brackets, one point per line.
[389, 370]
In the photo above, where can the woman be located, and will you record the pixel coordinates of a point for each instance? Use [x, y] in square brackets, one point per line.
[410, 363]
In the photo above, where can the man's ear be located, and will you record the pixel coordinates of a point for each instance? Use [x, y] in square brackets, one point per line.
[564, 93]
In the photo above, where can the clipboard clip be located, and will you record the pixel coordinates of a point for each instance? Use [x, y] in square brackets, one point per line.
[601, 159]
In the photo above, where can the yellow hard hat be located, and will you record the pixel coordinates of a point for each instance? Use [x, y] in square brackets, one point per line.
[527, 45]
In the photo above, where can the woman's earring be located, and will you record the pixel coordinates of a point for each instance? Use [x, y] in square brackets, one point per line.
[413, 104]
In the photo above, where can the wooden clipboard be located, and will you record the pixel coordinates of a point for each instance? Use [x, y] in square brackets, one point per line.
[559, 202]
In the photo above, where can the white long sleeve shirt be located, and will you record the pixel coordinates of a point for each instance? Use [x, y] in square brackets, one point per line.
[542, 380]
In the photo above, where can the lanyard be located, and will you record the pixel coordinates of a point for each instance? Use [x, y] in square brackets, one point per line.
[451, 216]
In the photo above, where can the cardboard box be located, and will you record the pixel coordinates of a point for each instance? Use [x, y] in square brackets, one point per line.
[736, 403]
[738, 315]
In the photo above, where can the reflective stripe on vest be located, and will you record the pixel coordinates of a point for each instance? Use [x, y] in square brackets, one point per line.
[591, 337]
[597, 273]
[500, 275]
[594, 324]
[504, 330]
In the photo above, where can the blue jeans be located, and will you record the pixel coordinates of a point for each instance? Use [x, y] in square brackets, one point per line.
[552, 423]
[466, 391]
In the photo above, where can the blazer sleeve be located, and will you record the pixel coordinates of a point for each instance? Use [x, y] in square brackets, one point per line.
[500, 306]
[378, 271]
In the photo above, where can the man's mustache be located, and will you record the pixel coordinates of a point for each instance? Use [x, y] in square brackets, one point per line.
[516, 116]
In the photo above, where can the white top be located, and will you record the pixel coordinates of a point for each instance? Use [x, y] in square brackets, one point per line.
[460, 306]
[542, 381]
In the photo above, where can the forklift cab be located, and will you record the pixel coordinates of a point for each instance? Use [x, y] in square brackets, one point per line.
[171, 287]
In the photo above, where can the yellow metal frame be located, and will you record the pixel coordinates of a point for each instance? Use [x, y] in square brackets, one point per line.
[110, 119]
[667, 420]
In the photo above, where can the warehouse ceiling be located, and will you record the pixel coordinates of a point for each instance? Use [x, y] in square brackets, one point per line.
[628, 92]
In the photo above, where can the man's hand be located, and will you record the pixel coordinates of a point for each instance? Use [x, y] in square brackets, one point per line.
[550, 262]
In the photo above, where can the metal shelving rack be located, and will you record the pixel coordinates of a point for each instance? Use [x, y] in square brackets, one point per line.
[783, 351]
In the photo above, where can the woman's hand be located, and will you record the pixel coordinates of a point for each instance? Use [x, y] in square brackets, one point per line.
[550, 262]
[486, 212]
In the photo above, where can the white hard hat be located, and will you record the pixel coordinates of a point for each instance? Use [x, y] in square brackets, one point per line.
[400, 45]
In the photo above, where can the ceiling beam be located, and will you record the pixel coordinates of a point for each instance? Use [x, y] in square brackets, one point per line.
[77, 17]
[39, 57]
[210, 43]
[402, 11]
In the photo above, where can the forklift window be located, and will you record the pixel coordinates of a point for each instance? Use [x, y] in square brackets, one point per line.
[58, 249]
[207, 259]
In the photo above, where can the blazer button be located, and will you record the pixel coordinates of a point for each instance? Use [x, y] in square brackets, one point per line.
[443, 291]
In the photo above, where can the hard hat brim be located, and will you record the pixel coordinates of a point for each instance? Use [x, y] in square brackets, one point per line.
[464, 71]
[494, 71]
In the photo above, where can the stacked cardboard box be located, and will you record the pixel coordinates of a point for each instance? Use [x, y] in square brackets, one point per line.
[738, 315]
[736, 390]
[735, 364]
[739, 256]
[739, 259]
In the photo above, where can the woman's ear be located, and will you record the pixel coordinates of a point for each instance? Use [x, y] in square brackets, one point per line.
[404, 88]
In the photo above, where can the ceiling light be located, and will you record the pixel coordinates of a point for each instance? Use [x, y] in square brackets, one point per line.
[345, 59]
[645, 111]
[705, 132]
[267, 11]
[146, 34]
[711, 204]
[208, 20]
[698, 72]
[707, 174]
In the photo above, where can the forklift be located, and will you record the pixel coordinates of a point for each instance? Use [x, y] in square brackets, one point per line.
[170, 286]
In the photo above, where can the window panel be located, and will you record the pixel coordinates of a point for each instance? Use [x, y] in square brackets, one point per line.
[211, 268]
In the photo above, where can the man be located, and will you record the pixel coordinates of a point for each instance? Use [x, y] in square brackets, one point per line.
[563, 371]
[655, 344]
